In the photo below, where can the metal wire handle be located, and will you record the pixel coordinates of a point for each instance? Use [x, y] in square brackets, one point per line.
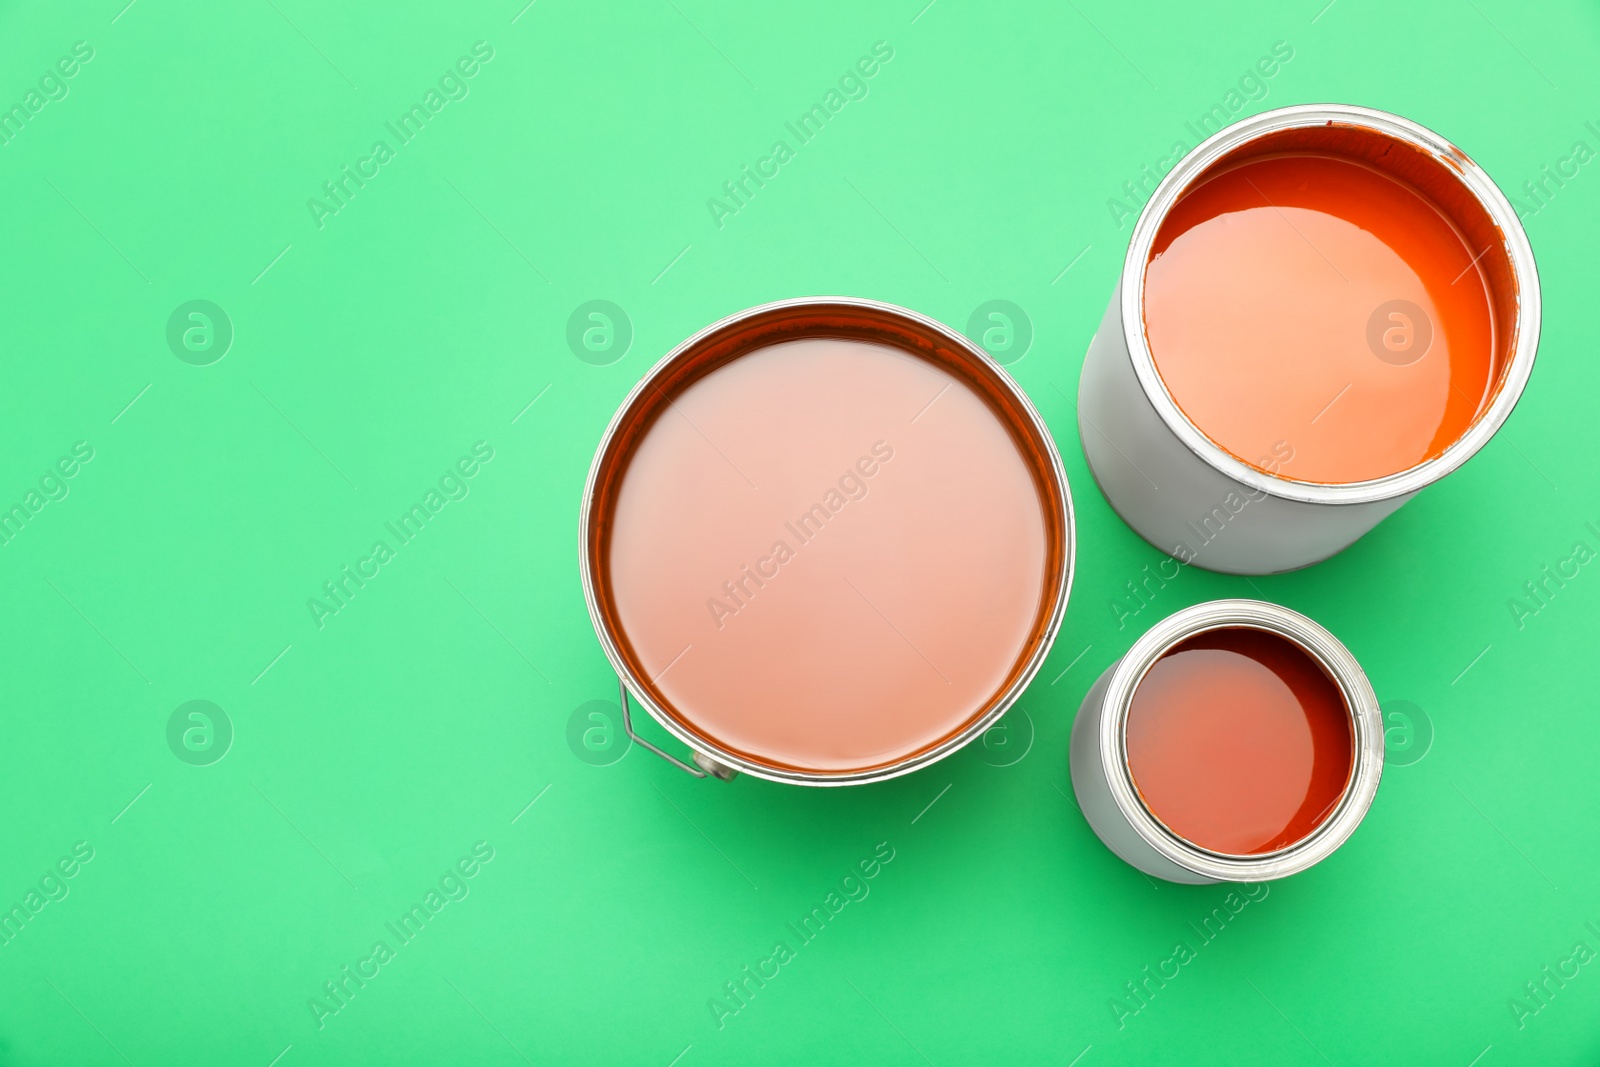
[711, 768]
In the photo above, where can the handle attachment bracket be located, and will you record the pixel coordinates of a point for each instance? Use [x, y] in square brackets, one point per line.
[703, 767]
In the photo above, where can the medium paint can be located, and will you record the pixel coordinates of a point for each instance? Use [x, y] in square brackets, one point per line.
[1221, 509]
[825, 541]
[1124, 814]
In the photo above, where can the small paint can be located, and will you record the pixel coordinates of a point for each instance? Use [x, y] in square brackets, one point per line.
[825, 541]
[1123, 813]
[1192, 498]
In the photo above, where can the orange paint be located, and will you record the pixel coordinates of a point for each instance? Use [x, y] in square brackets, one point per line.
[1239, 742]
[828, 555]
[1266, 283]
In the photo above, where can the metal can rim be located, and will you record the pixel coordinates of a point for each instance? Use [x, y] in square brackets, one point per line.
[1366, 748]
[1522, 350]
[1006, 699]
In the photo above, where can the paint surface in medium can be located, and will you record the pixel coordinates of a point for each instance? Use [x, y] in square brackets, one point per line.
[1319, 318]
[1238, 741]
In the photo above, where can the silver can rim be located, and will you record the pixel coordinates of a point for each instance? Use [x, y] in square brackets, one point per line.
[1007, 698]
[1366, 726]
[1523, 348]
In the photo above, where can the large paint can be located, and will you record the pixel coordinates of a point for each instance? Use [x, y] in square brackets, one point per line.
[825, 541]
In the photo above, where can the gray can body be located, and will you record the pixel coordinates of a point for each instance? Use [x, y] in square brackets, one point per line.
[1181, 503]
[1183, 492]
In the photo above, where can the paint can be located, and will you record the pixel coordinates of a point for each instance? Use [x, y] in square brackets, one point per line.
[825, 541]
[1123, 814]
[1192, 498]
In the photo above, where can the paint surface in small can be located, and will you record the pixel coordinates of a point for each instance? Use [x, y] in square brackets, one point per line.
[1239, 742]
[1319, 318]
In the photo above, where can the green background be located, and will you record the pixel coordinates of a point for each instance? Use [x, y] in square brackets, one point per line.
[370, 353]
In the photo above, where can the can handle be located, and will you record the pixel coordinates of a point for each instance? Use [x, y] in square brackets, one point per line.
[703, 766]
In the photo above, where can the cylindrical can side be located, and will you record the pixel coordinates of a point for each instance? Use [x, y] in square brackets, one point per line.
[1177, 501]
[1099, 807]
